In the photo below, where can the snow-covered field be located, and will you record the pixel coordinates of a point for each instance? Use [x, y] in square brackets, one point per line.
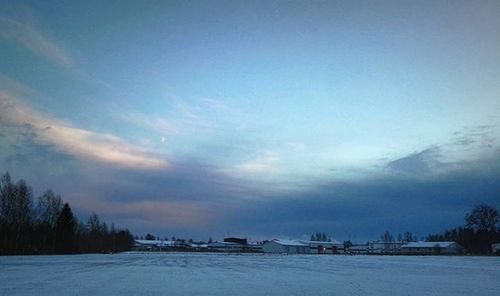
[223, 274]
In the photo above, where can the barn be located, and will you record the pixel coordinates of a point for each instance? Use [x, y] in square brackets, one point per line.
[226, 247]
[317, 247]
[280, 246]
[432, 248]
[385, 247]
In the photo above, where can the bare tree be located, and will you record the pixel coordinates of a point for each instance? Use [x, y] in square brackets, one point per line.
[483, 218]
[16, 214]
[50, 227]
[409, 237]
[387, 237]
[7, 198]
[48, 209]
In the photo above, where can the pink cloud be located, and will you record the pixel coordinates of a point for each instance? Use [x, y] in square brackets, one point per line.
[76, 141]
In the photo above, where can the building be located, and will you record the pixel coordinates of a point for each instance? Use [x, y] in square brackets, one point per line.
[432, 248]
[359, 249]
[254, 248]
[317, 247]
[226, 247]
[153, 245]
[235, 244]
[495, 248]
[198, 246]
[238, 240]
[385, 247]
[280, 246]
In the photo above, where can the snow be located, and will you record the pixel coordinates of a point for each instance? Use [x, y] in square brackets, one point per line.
[237, 274]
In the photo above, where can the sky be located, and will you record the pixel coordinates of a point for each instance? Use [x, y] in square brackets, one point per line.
[261, 119]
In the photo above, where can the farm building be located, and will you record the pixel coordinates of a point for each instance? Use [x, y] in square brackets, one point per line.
[385, 247]
[280, 246]
[152, 245]
[238, 240]
[432, 248]
[226, 247]
[359, 249]
[254, 248]
[198, 246]
[235, 244]
[317, 247]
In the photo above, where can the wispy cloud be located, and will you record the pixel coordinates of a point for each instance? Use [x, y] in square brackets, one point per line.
[265, 163]
[464, 149]
[76, 141]
[159, 125]
[420, 163]
[29, 36]
[474, 137]
[153, 213]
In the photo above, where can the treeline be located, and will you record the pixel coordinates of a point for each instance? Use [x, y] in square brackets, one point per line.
[320, 237]
[49, 226]
[406, 237]
[479, 232]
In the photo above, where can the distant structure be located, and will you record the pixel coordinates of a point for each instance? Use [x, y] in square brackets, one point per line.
[153, 245]
[235, 244]
[317, 247]
[282, 246]
[495, 248]
[359, 249]
[385, 247]
[288, 246]
[432, 248]
[237, 240]
[229, 245]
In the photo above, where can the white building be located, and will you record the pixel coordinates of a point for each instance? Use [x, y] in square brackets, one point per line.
[385, 247]
[432, 248]
[280, 246]
[198, 246]
[283, 246]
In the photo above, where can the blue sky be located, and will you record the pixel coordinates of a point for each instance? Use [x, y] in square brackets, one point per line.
[255, 118]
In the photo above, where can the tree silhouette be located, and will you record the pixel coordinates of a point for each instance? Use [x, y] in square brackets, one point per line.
[65, 230]
[46, 229]
[482, 218]
[48, 209]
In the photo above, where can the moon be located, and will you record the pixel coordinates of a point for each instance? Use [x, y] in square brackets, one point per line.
[162, 139]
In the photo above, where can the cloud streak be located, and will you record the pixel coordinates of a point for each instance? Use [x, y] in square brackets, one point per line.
[262, 164]
[28, 36]
[75, 141]
[149, 213]
[421, 163]
[159, 125]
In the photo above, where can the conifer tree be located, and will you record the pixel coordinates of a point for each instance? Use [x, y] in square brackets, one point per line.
[65, 230]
